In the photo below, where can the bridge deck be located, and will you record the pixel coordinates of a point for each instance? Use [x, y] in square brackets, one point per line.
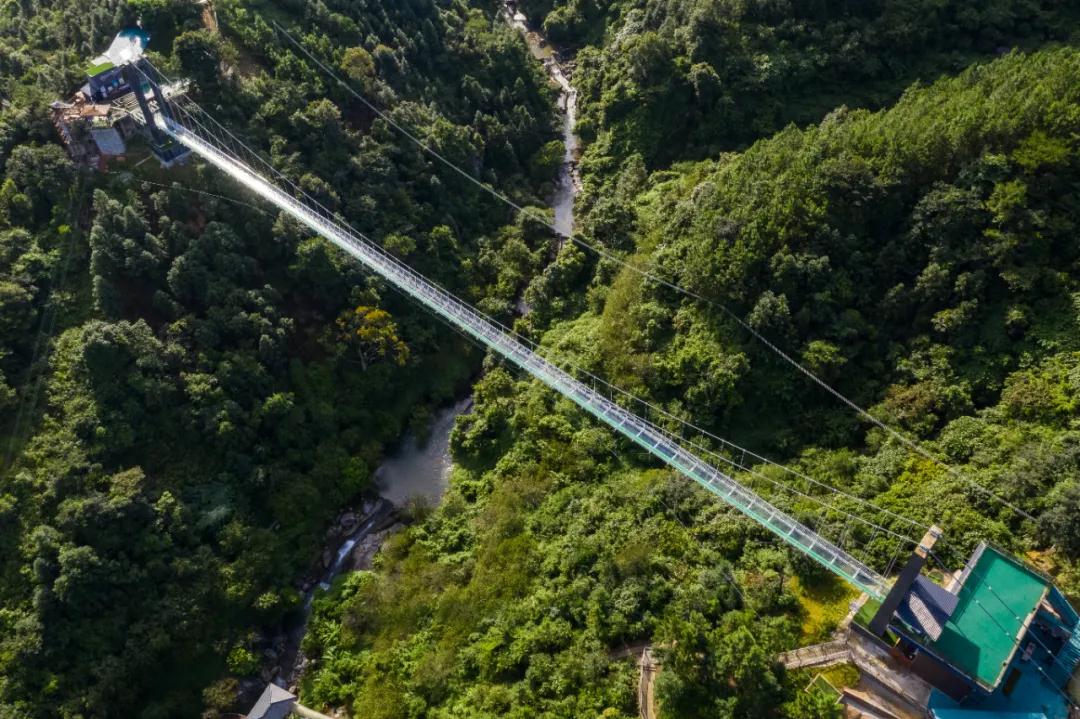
[463, 316]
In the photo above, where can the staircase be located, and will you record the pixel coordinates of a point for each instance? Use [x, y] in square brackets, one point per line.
[817, 655]
[1067, 660]
[864, 706]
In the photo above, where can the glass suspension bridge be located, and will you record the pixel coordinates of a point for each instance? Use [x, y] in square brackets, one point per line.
[971, 604]
[180, 127]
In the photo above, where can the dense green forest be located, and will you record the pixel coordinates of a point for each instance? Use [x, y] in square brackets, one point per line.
[671, 79]
[923, 257]
[191, 387]
[187, 400]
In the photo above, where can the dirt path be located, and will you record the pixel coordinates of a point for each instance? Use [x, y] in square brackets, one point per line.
[650, 669]
[209, 15]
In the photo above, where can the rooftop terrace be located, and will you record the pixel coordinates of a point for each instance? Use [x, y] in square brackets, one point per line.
[997, 599]
[128, 45]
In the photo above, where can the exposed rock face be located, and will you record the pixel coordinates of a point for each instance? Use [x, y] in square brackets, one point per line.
[369, 527]
[365, 550]
[249, 690]
[279, 646]
[362, 527]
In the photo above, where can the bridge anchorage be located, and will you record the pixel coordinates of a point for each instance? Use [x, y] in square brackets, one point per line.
[992, 639]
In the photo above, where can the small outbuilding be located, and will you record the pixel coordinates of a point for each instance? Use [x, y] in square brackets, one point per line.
[105, 79]
[108, 142]
[275, 703]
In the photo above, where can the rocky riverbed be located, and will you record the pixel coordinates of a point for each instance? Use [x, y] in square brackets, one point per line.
[416, 470]
[559, 70]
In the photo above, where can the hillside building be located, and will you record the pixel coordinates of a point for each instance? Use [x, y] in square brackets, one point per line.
[115, 105]
[104, 75]
[996, 641]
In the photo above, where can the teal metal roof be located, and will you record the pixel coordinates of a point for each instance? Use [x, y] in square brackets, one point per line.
[979, 714]
[996, 599]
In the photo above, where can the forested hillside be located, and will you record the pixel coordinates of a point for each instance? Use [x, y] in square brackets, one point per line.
[191, 386]
[922, 257]
[678, 79]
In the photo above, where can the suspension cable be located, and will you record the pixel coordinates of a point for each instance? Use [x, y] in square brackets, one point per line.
[650, 272]
[827, 506]
[178, 186]
[208, 131]
[393, 267]
[548, 355]
[558, 360]
[551, 356]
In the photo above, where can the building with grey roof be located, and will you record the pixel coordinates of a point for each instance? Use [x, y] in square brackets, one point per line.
[275, 703]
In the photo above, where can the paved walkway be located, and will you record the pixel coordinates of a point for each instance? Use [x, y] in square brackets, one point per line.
[899, 684]
[650, 668]
[825, 654]
[301, 710]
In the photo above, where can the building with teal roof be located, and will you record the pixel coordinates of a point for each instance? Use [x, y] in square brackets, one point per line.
[997, 641]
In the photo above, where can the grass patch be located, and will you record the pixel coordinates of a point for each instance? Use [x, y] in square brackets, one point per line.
[95, 70]
[841, 675]
[824, 604]
[867, 611]
[822, 686]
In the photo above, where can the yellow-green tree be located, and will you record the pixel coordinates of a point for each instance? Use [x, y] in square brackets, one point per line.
[373, 333]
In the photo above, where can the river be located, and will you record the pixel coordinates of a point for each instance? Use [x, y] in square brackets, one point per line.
[418, 470]
[422, 469]
[414, 470]
[569, 181]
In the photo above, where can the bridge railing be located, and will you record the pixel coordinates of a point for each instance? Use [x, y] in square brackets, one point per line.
[644, 433]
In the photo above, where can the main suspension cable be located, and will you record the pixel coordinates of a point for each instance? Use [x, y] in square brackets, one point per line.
[550, 355]
[649, 272]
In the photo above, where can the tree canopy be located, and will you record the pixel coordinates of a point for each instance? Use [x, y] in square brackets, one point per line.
[183, 413]
[192, 386]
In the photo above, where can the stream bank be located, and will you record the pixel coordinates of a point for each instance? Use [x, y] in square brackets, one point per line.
[559, 71]
[417, 470]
